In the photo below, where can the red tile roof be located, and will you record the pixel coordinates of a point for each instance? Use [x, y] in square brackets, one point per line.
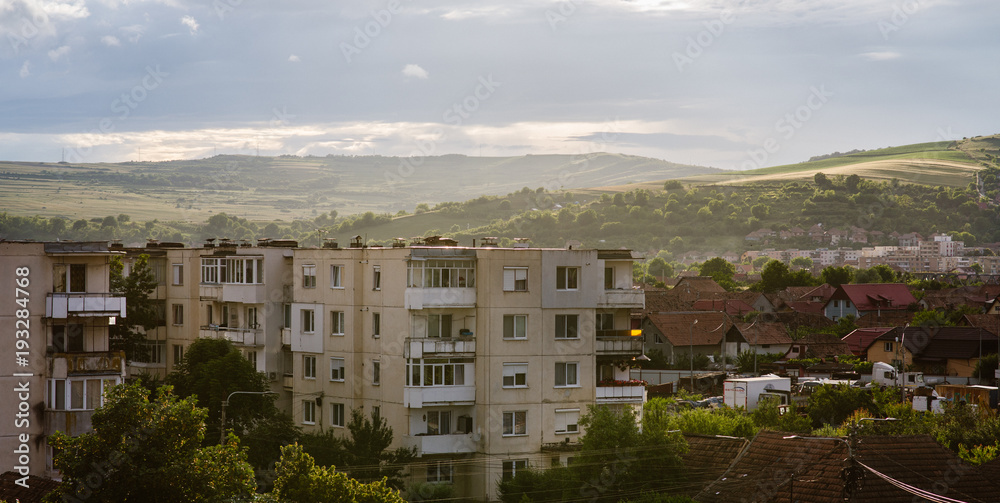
[37, 488]
[677, 327]
[764, 333]
[860, 339]
[876, 296]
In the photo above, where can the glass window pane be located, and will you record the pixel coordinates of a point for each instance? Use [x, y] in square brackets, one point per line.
[93, 396]
[76, 394]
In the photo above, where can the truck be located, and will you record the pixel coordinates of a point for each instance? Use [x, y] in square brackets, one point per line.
[886, 375]
[747, 392]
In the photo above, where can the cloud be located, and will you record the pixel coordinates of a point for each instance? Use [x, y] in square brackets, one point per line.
[294, 59]
[133, 33]
[25, 69]
[57, 54]
[191, 23]
[880, 55]
[414, 71]
[110, 41]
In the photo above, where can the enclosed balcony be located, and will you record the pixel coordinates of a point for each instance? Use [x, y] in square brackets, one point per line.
[241, 336]
[618, 342]
[621, 392]
[427, 298]
[428, 347]
[65, 305]
[456, 443]
[433, 396]
[241, 293]
[621, 299]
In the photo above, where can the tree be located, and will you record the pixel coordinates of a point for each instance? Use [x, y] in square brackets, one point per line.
[802, 262]
[367, 456]
[719, 269]
[822, 182]
[852, 182]
[760, 261]
[774, 276]
[148, 450]
[299, 480]
[129, 334]
[660, 267]
[672, 185]
[836, 276]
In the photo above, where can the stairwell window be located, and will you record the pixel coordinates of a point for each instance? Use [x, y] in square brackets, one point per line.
[512, 466]
[309, 367]
[376, 372]
[336, 276]
[376, 325]
[308, 321]
[515, 423]
[336, 323]
[377, 278]
[337, 415]
[515, 279]
[567, 278]
[308, 412]
[309, 276]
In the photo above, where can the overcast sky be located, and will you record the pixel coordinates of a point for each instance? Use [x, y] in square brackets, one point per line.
[723, 83]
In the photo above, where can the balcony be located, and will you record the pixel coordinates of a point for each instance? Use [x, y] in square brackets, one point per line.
[244, 294]
[242, 336]
[70, 422]
[620, 299]
[428, 298]
[458, 443]
[416, 397]
[96, 363]
[618, 342]
[64, 305]
[439, 347]
[621, 394]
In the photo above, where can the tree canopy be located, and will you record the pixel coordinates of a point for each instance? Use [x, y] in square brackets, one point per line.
[129, 334]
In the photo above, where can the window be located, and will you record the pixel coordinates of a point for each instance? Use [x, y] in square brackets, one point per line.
[336, 369]
[566, 374]
[515, 279]
[208, 314]
[436, 371]
[657, 339]
[887, 347]
[515, 423]
[605, 322]
[439, 422]
[309, 367]
[376, 324]
[376, 372]
[78, 393]
[336, 323]
[609, 278]
[515, 375]
[441, 274]
[251, 318]
[836, 303]
[68, 338]
[336, 276]
[515, 326]
[309, 276]
[308, 321]
[233, 270]
[178, 314]
[152, 352]
[178, 274]
[566, 326]
[377, 277]
[337, 415]
[225, 321]
[178, 354]
[440, 471]
[567, 278]
[288, 316]
[309, 412]
[512, 466]
[439, 325]
[566, 420]
[69, 278]
[252, 358]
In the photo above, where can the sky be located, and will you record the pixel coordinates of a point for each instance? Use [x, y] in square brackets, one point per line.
[732, 84]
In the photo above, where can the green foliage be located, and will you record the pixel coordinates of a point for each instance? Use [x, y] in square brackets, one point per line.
[366, 450]
[661, 414]
[660, 267]
[836, 276]
[430, 491]
[985, 366]
[978, 454]
[148, 450]
[767, 415]
[129, 334]
[833, 404]
[719, 269]
[802, 262]
[745, 361]
[299, 480]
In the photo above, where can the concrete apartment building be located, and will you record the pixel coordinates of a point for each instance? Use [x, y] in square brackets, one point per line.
[483, 359]
[56, 309]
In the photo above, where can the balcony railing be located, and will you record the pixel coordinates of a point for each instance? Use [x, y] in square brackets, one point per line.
[618, 342]
[70, 422]
[443, 347]
[633, 299]
[98, 363]
[64, 305]
[243, 336]
[245, 294]
[621, 394]
[416, 397]
[457, 443]
[425, 298]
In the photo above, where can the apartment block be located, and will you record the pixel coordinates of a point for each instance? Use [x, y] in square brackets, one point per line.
[56, 309]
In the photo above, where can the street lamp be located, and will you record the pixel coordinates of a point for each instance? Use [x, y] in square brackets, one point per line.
[691, 354]
[225, 403]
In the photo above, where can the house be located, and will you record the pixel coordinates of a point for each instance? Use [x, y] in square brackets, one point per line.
[983, 297]
[33, 491]
[812, 300]
[676, 335]
[781, 467]
[707, 458]
[859, 340]
[950, 351]
[760, 336]
[827, 346]
[885, 319]
[859, 300]
[732, 307]
[990, 322]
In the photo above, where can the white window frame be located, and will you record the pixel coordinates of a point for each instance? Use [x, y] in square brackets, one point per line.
[178, 274]
[308, 321]
[887, 347]
[510, 423]
[309, 366]
[567, 278]
[309, 411]
[511, 372]
[337, 277]
[601, 318]
[515, 279]
[376, 325]
[337, 411]
[569, 372]
[567, 421]
[440, 472]
[53, 400]
[376, 277]
[337, 373]
[178, 350]
[514, 335]
[436, 324]
[566, 332]
[337, 323]
[376, 372]
[177, 311]
[510, 467]
[309, 276]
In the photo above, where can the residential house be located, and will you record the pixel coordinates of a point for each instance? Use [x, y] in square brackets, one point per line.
[677, 335]
[860, 339]
[760, 336]
[859, 300]
[950, 351]
[827, 346]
